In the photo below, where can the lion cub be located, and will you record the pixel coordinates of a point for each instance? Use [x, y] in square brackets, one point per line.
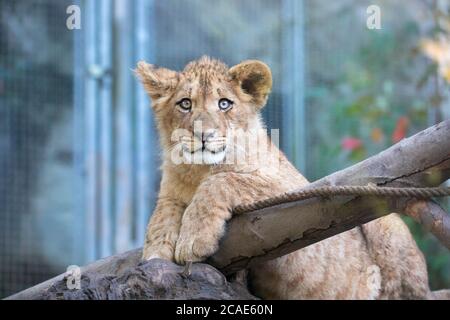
[206, 172]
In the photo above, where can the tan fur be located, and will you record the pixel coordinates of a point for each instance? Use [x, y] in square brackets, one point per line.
[379, 260]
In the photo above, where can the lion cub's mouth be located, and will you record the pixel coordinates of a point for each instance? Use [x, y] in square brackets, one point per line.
[205, 154]
[204, 149]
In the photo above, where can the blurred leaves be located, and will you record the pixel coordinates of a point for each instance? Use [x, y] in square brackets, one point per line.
[439, 51]
[377, 135]
[400, 129]
[351, 143]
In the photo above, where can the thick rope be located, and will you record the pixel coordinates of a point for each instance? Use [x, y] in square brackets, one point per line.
[328, 191]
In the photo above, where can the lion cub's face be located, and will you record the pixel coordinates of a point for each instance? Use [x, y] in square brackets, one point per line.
[196, 108]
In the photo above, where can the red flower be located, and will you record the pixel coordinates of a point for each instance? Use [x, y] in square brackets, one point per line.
[400, 129]
[351, 143]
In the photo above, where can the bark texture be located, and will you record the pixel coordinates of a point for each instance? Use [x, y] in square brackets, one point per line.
[155, 279]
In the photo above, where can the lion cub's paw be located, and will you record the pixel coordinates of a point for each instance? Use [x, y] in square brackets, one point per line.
[194, 248]
[150, 253]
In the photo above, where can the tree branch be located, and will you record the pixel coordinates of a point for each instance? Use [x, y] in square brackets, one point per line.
[432, 217]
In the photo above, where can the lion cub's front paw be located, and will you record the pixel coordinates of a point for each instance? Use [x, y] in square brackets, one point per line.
[149, 253]
[194, 248]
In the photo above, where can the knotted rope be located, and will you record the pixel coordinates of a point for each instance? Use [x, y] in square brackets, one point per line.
[328, 191]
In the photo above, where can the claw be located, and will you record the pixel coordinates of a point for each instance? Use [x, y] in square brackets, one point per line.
[187, 269]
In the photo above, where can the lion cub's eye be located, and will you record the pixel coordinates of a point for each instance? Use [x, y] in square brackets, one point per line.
[225, 104]
[185, 104]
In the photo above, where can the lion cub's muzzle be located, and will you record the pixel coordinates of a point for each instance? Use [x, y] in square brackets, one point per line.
[206, 147]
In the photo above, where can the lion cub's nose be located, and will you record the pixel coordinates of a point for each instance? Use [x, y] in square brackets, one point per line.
[204, 136]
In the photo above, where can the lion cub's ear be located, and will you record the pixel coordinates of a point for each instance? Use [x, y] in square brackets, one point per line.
[158, 82]
[255, 78]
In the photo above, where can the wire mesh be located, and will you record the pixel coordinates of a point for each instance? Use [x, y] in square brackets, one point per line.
[222, 36]
[35, 142]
